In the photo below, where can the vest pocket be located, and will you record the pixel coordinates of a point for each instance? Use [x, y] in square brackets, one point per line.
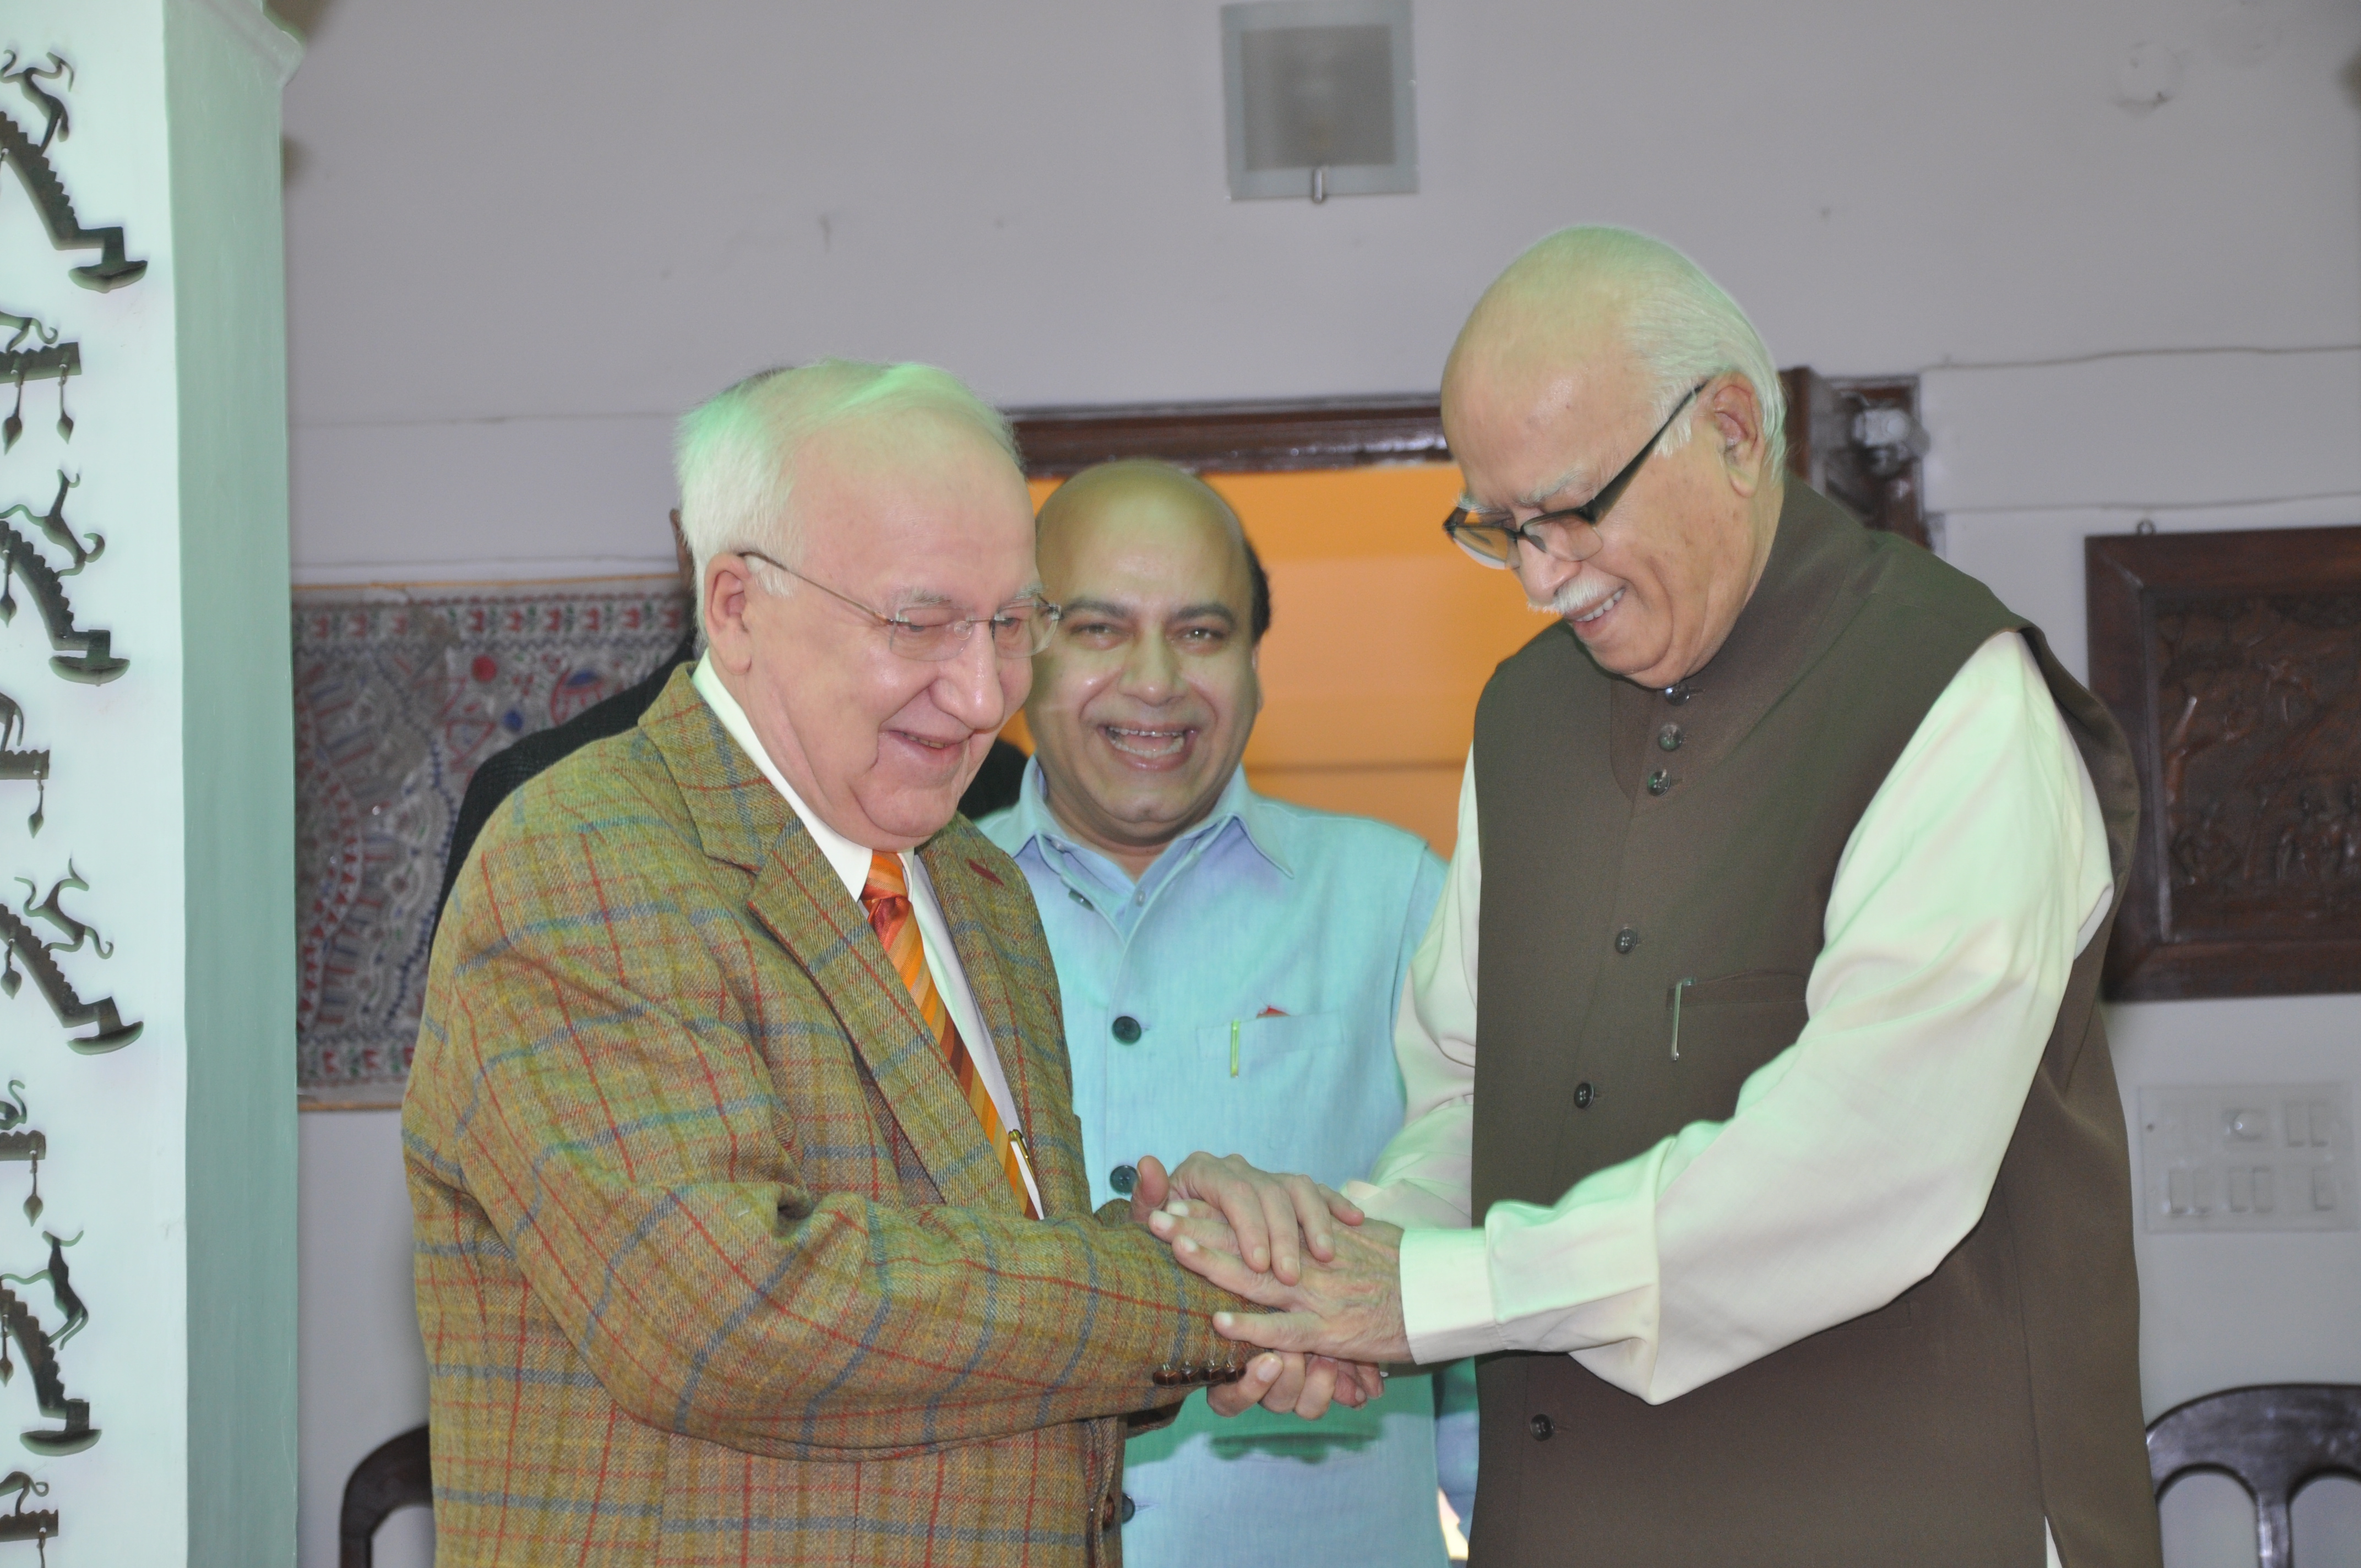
[1719, 1030]
[1745, 986]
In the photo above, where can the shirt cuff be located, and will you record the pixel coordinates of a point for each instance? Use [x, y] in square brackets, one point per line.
[1407, 1204]
[1446, 1295]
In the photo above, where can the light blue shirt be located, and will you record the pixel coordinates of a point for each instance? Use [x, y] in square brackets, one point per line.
[1240, 998]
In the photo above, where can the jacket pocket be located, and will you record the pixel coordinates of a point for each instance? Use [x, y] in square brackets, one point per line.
[1756, 987]
[1721, 1029]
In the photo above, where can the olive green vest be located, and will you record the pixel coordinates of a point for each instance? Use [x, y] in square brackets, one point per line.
[1632, 839]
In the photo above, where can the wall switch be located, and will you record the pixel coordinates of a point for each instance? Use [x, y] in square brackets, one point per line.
[2252, 1157]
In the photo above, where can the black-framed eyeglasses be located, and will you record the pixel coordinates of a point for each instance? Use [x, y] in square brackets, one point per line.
[1019, 630]
[1490, 538]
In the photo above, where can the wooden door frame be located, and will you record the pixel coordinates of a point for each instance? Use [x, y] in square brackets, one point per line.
[1880, 482]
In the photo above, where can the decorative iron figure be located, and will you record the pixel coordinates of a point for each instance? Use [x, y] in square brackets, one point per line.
[38, 1525]
[23, 764]
[28, 1144]
[84, 549]
[18, 1322]
[48, 357]
[92, 660]
[19, 940]
[113, 269]
[30, 78]
[76, 931]
[62, 1292]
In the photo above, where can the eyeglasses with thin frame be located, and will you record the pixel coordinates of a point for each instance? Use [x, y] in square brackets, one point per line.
[1019, 630]
[1490, 538]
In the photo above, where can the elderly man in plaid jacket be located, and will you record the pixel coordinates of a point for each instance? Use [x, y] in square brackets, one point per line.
[751, 1218]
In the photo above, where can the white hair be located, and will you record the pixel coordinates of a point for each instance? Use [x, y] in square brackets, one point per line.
[1679, 323]
[735, 454]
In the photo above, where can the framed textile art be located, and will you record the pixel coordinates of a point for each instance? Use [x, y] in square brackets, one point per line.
[398, 695]
[2233, 660]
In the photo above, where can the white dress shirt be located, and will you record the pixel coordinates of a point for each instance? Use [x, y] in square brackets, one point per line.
[850, 862]
[1858, 1156]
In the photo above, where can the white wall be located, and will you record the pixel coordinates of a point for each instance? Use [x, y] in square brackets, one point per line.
[523, 235]
[359, 1363]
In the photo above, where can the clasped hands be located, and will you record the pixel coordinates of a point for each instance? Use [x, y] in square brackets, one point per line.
[1328, 1277]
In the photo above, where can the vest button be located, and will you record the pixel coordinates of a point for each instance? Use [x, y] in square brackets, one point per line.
[1659, 782]
[1583, 1095]
[1669, 738]
[1127, 1029]
[1123, 1178]
[1076, 894]
[1626, 939]
[1679, 694]
[1122, 1514]
[1543, 1428]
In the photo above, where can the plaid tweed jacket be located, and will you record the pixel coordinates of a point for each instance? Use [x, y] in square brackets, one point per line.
[713, 1262]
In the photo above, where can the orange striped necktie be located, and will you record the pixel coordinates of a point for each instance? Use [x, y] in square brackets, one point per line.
[887, 900]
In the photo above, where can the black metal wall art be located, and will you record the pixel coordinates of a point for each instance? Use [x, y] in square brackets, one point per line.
[53, 924]
[113, 269]
[47, 358]
[17, 763]
[84, 655]
[20, 1142]
[38, 1525]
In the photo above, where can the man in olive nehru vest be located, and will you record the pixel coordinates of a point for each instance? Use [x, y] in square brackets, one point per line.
[1800, 1208]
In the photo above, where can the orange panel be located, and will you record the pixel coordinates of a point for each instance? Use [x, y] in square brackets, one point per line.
[1382, 635]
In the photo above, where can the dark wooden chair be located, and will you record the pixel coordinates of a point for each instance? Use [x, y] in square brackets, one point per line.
[396, 1474]
[2271, 1440]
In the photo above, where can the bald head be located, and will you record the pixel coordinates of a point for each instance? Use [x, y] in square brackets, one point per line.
[1149, 494]
[1143, 703]
[1597, 303]
[1618, 409]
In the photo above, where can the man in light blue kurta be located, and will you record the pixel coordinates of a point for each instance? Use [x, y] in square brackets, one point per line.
[1230, 968]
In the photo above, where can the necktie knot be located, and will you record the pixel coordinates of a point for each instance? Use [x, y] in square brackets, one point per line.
[886, 895]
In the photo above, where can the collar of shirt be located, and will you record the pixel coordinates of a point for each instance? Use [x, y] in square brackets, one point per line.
[1038, 824]
[848, 860]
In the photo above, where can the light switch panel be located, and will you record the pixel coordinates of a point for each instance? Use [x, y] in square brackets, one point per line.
[2247, 1157]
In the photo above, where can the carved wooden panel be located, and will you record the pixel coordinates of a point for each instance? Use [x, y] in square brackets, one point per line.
[2234, 663]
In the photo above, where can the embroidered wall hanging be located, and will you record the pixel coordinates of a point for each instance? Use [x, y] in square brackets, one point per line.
[400, 696]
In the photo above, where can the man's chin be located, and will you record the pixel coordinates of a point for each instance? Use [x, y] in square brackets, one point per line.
[917, 815]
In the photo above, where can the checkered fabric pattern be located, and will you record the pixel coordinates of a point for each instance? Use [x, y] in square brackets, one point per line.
[714, 1263]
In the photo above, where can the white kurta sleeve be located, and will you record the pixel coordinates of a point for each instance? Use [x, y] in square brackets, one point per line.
[1859, 1157]
[1420, 1180]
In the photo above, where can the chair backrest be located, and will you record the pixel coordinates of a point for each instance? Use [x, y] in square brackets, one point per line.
[2271, 1440]
[398, 1473]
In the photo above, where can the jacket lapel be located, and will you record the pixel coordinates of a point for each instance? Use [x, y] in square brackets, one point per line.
[976, 901]
[742, 821]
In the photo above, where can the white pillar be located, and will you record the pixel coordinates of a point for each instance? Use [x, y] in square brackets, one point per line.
[157, 1057]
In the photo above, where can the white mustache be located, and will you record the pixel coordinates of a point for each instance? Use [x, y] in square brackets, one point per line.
[1580, 594]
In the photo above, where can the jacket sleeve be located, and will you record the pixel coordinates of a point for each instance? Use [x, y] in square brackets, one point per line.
[591, 1081]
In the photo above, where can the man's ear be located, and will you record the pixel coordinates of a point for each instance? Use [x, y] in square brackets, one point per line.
[729, 590]
[1737, 427]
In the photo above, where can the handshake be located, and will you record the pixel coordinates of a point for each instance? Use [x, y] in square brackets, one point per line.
[1328, 1278]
